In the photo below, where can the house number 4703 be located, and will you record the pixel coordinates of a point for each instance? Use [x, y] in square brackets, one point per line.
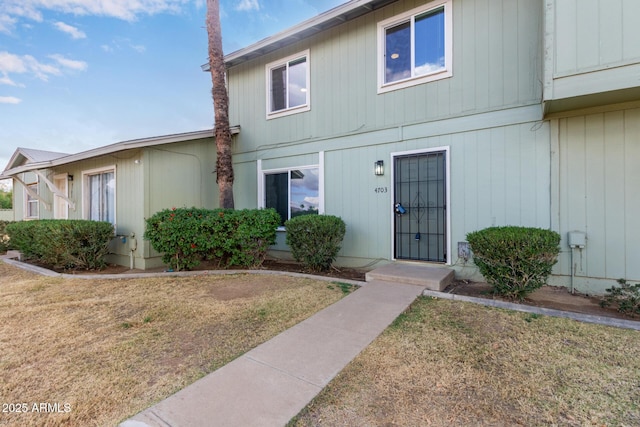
[381, 189]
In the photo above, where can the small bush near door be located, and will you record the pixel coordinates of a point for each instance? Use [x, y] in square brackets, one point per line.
[515, 261]
[315, 239]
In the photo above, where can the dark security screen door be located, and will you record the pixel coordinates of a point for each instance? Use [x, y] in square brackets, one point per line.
[420, 187]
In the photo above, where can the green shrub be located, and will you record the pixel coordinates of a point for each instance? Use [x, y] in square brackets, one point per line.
[626, 297]
[234, 237]
[177, 234]
[63, 244]
[4, 237]
[253, 232]
[315, 239]
[515, 261]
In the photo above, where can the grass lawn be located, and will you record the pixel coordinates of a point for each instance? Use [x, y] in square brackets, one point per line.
[96, 352]
[446, 363]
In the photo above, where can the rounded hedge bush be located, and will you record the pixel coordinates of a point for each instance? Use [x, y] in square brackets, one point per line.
[515, 261]
[185, 236]
[63, 243]
[315, 239]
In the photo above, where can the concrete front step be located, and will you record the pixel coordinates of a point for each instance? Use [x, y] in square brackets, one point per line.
[432, 278]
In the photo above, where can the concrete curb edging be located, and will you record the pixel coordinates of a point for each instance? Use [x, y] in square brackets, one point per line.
[50, 273]
[587, 318]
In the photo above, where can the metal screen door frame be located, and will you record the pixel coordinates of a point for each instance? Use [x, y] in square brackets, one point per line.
[423, 232]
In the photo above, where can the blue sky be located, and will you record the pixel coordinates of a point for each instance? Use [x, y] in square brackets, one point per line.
[79, 74]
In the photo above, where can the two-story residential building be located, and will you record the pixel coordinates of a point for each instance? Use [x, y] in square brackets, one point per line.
[463, 113]
[419, 121]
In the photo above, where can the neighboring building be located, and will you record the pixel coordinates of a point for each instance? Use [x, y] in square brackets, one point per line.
[123, 183]
[473, 113]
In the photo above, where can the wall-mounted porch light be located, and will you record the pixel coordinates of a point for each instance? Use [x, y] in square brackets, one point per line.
[69, 178]
[378, 167]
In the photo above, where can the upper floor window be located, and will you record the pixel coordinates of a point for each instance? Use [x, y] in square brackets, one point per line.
[288, 85]
[415, 47]
[100, 195]
[32, 210]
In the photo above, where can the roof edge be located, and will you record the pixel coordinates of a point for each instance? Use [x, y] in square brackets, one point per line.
[338, 15]
[112, 148]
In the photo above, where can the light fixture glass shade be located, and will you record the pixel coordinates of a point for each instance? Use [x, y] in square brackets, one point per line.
[378, 167]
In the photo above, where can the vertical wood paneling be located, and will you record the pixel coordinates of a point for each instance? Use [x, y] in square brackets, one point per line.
[630, 14]
[587, 34]
[610, 31]
[463, 99]
[594, 148]
[614, 196]
[599, 190]
[511, 53]
[594, 34]
[495, 44]
[566, 35]
[632, 191]
[483, 66]
[496, 74]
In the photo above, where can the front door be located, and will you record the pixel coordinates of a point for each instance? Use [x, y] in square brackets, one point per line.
[420, 207]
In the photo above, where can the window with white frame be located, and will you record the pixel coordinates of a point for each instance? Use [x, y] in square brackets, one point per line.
[32, 206]
[415, 47]
[100, 195]
[293, 192]
[288, 85]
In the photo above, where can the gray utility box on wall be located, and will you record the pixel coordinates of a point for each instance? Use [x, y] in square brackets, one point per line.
[577, 239]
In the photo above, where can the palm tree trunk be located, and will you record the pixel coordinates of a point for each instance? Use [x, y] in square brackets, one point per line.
[224, 165]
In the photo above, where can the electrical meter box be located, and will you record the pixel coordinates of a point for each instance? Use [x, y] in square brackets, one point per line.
[577, 239]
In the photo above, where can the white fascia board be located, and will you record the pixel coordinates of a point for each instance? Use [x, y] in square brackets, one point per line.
[313, 25]
[120, 146]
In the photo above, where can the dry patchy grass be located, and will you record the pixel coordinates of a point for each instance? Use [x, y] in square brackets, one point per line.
[449, 363]
[111, 348]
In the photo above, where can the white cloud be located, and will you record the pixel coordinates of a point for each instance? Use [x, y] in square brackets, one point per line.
[10, 100]
[71, 30]
[25, 9]
[27, 64]
[10, 63]
[123, 43]
[138, 47]
[6, 23]
[248, 5]
[39, 69]
[127, 10]
[69, 63]
[5, 80]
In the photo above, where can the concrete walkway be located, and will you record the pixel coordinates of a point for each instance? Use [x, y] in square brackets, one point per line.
[270, 384]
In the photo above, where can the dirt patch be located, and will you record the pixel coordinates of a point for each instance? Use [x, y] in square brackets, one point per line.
[111, 348]
[269, 264]
[553, 297]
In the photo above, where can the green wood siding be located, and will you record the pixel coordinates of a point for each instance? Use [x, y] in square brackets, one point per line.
[496, 64]
[592, 54]
[599, 181]
[595, 34]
